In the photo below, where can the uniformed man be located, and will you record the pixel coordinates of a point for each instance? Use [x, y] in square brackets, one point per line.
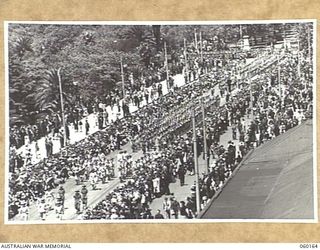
[59, 206]
[77, 201]
[42, 208]
[61, 193]
[84, 196]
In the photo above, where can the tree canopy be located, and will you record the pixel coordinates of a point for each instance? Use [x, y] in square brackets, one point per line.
[89, 57]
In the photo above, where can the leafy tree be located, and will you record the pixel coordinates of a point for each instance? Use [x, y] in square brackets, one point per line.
[47, 93]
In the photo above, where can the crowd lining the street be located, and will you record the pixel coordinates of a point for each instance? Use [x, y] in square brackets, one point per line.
[168, 157]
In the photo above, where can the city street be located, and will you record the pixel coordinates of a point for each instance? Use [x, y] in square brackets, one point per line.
[132, 155]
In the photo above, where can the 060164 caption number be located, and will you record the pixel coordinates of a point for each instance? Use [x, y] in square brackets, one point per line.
[308, 245]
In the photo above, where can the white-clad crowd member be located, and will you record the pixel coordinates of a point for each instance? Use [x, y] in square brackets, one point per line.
[50, 200]
[93, 178]
[24, 212]
[42, 208]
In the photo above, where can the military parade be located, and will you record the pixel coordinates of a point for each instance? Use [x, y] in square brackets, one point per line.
[164, 140]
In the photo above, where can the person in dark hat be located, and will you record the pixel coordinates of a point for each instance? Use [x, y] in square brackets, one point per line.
[158, 215]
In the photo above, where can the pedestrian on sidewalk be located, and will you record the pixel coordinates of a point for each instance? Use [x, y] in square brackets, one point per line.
[87, 127]
[76, 126]
[175, 208]
[67, 133]
[183, 210]
[160, 90]
[234, 132]
[166, 207]
[50, 146]
[38, 153]
[47, 147]
[181, 174]
[146, 95]
[61, 138]
[191, 208]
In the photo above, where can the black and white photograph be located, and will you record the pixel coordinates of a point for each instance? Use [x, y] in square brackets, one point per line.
[160, 122]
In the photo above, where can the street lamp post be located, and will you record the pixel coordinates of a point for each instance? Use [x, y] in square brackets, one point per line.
[201, 52]
[299, 69]
[166, 65]
[122, 78]
[62, 109]
[309, 46]
[279, 81]
[196, 167]
[205, 145]
[251, 97]
[185, 59]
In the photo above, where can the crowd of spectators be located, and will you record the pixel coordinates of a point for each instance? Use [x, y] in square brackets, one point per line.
[32, 181]
[149, 177]
[169, 155]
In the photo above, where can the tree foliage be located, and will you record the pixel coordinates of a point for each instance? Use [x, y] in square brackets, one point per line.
[90, 55]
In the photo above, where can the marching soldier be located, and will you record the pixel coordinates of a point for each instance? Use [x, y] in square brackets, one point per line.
[84, 197]
[77, 201]
[43, 209]
[59, 206]
[61, 193]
